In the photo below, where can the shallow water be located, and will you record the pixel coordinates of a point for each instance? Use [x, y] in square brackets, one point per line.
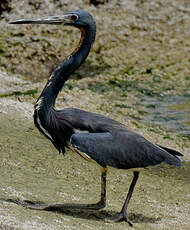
[172, 112]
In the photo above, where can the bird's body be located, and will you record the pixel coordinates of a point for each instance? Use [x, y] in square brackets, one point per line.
[95, 137]
[104, 140]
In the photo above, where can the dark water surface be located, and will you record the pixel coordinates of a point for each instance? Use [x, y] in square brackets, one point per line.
[173, 112]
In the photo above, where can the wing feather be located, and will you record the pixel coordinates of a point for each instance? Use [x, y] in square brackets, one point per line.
[123, 150]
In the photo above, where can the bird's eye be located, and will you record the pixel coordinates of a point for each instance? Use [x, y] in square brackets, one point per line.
[74, 17]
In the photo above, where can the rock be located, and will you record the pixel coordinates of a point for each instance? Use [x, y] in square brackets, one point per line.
[4, 6]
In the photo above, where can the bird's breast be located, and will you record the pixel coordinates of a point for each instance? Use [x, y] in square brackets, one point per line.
[39, 125]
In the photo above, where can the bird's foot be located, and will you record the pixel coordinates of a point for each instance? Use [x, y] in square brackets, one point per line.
[122, 216]
[32, 205]
[54, 206]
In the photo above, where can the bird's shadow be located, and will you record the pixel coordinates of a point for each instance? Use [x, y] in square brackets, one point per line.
[99, 215]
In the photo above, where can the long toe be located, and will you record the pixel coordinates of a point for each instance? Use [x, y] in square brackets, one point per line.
[35, 205]
[118, 217]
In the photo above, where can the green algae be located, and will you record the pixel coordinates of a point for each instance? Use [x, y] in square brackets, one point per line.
[30, 92]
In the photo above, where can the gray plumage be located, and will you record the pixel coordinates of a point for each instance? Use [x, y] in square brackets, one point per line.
[110, 143]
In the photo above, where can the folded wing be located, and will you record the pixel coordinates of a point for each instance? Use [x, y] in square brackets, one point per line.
[125, 150]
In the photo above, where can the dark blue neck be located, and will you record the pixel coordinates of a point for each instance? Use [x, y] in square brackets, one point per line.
[62, 72]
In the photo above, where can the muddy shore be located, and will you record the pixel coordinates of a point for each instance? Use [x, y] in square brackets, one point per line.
[142, 50]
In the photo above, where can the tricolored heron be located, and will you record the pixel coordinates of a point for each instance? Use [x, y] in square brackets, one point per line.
[105, 141]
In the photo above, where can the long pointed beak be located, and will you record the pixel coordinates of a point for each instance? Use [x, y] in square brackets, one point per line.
[62, 19]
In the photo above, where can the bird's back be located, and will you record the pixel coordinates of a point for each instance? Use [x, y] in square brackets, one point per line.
[111, 143]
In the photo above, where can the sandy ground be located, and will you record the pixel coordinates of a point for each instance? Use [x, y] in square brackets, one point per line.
[31, 169]
[156, 40]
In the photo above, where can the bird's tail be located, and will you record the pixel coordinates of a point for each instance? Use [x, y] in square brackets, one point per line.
[173, 157]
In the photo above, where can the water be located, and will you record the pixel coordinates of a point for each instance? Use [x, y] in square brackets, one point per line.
[172, 112]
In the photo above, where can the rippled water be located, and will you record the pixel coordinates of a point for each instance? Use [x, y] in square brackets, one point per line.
[173, 112]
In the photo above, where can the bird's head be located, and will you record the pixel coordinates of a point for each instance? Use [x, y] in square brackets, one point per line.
[77, 18]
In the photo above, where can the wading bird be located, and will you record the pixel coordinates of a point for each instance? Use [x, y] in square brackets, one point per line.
[94, 137]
